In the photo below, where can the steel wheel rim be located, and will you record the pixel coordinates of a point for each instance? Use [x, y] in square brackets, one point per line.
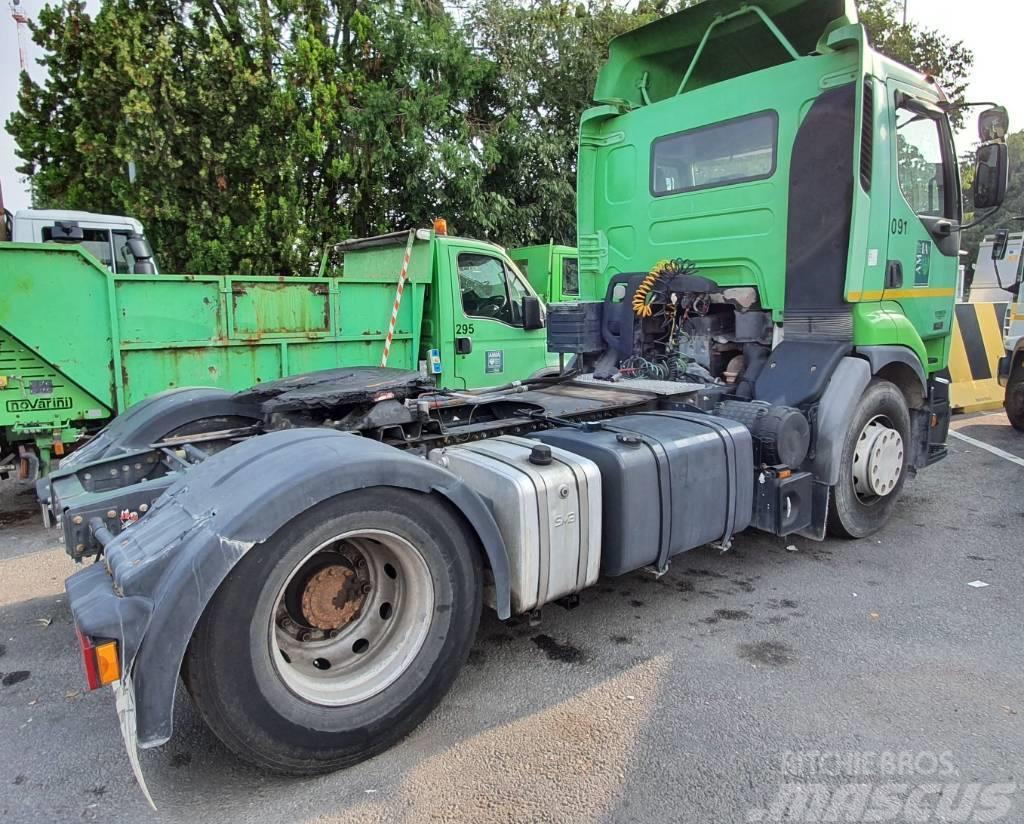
[877, 460]
[369, 652]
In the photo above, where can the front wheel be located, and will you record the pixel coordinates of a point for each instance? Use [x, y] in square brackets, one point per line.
[873, 465]
[336, 638]
[1014, 402]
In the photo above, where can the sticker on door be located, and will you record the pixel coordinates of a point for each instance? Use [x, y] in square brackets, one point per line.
[922, 262]
[495, 361]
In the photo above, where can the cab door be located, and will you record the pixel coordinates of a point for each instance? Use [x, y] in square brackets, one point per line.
[491, 346]
[924, 213]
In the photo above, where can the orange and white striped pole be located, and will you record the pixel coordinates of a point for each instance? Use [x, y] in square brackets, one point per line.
[398, 297]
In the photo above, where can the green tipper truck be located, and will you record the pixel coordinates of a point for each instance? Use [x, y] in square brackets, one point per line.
[769, 218]
[79, 343]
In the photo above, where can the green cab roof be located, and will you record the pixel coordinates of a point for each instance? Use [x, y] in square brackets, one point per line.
[653, 59]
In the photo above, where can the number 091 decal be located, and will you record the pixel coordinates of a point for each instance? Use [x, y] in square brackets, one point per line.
[898, 226]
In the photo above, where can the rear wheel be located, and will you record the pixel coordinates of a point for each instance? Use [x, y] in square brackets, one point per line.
[1014, 402]
[334, 639]
[873, 466]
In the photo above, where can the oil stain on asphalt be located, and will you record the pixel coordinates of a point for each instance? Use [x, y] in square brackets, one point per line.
[557, 651]
[15, 677]
[769, 653]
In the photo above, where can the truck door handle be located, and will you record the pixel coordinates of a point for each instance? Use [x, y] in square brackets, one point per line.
[463, 346]
[943, 228]
[894, 275]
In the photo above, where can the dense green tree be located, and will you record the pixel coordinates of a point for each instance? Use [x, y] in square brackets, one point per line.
[927, 50]
[257, 129]
[198, 120]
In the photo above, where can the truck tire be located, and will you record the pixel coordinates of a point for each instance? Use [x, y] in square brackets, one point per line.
[334, 639]
[1014, 402]
[873, 466]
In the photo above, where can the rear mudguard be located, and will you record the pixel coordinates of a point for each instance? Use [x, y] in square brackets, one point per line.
[151, 419]
[168, 566]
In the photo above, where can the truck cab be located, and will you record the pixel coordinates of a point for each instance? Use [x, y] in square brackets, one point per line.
[105, 237]
[552, 269]
[814, 184]
[488, 314]
[998, 276]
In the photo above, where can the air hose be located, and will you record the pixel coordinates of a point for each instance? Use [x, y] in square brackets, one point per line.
[662, 269]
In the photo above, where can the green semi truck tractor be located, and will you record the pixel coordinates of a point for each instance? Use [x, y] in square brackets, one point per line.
[769, 217]
[81, 342]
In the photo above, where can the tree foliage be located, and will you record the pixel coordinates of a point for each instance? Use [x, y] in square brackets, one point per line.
[926, 50]
[259, 130]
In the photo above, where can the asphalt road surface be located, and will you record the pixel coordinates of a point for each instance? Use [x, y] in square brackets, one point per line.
[738, 682]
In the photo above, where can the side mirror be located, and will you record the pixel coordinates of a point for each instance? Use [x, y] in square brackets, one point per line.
[990, 175]
[999, 244]
[533, 317]
[139, 247]
[143, 254]
[993, 124]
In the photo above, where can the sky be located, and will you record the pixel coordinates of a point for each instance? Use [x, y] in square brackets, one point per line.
[992, 28]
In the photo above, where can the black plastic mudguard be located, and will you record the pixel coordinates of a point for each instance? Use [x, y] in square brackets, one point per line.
[166, 568]
[153, 418]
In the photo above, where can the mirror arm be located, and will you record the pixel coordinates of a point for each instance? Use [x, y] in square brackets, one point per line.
[963, 104]
[984, 218]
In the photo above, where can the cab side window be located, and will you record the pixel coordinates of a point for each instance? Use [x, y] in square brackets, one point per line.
[95, 241]
[489, 289]
[922, 172]
[570, 276]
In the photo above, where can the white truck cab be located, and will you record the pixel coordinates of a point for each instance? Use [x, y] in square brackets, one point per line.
[997, 278]
[105, 237]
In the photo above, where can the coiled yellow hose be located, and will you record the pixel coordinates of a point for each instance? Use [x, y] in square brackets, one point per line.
[641, 306]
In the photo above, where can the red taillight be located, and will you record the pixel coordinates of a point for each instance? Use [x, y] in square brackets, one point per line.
[102, 663]
[92, 676]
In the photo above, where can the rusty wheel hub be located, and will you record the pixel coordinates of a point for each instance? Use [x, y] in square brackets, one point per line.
[332, 598]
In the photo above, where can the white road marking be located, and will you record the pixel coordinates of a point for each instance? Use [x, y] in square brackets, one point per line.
[995, 450]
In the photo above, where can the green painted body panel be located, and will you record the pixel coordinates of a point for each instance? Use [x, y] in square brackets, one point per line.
[94, 343]
[884, 323]
[548, 267]
[727, 59]
[500, 352]
[735, 233]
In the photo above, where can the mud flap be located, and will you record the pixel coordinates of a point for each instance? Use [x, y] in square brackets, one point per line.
[124, 700]
[820, 494]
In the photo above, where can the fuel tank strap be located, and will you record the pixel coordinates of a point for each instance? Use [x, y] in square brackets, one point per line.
[664, 490]
[732, 458]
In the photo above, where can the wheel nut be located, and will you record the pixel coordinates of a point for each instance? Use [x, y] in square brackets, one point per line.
[285, 622]
[305, 636]
[366, 587]
[361, 563]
